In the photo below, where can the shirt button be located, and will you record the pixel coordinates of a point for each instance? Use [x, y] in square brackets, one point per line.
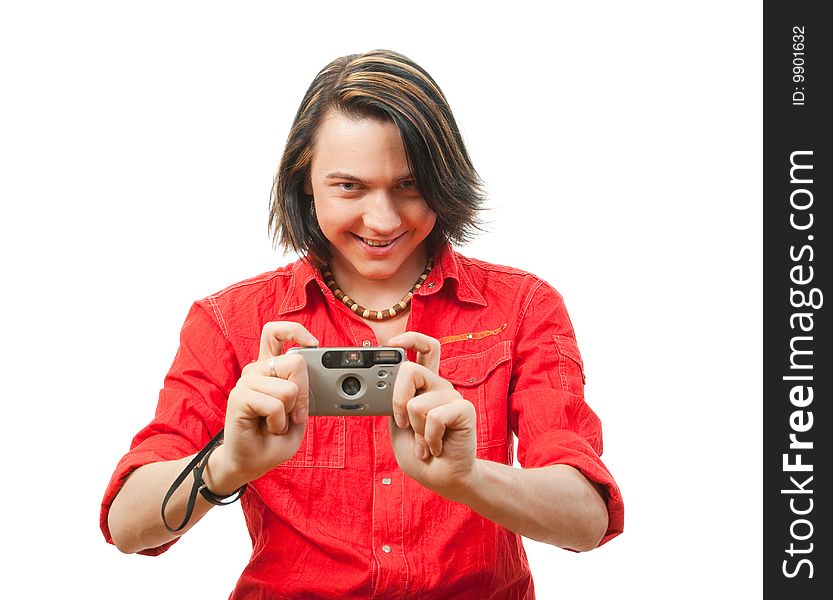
[386, 481]
[430, 285]
[386, 549]
[365, 343]
[469, 336]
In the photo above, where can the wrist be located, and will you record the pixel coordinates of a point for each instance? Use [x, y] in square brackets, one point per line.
[465, 487]
[218, 478]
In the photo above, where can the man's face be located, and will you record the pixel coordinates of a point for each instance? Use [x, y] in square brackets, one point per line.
[366, 199]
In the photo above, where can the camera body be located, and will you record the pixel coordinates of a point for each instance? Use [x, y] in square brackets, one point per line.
[351, 380]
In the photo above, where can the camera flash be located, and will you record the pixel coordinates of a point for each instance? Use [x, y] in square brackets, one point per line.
[387, 356]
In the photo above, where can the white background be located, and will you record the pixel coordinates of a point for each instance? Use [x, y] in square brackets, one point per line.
[621, 146]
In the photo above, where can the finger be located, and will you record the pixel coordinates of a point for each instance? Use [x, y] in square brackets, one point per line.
[412, 379]
[284, 390]
[275, 333]
[457, 415]
[277, 423]
[290, 367]
[294, 369]
[284, 366]
[418, 407]
[420, 447]
[256, 406]
[427, 348]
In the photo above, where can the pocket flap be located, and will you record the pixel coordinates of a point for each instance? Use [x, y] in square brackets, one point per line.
[472, 369]
[568, 347]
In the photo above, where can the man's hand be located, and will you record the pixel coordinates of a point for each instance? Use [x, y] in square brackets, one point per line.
[433, 429]
[267, 411]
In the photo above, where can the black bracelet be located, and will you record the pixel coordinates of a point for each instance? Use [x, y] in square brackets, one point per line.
[197, 466]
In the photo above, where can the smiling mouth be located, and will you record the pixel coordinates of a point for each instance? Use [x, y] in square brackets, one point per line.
[377, 243]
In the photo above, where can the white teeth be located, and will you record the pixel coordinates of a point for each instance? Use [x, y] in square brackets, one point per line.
[377, 243]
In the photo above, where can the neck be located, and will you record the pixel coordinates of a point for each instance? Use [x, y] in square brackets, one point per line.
[379, 293]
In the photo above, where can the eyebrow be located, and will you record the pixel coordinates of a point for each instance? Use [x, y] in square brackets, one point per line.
[340, 175]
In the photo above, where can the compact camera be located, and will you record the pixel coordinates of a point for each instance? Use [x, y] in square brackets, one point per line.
[351, 381]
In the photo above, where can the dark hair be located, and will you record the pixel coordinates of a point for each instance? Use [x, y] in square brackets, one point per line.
[385, 86]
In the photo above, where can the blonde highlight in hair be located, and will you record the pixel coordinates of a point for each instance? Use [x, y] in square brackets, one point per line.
[386, 86]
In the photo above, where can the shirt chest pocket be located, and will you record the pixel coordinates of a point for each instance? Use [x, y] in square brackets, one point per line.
[322, 446]
[483, 380]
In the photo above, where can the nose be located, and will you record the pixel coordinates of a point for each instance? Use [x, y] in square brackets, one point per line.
[382, 214]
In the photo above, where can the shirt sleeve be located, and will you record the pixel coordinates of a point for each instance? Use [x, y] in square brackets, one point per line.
[191, 406]
[547, 410]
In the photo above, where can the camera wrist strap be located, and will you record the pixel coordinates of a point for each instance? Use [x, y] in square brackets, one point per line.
[197, 466]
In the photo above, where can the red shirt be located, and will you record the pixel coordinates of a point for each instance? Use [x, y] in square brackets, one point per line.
[340, 519]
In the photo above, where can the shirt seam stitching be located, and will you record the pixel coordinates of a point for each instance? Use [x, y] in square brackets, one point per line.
[373, 542]
[402, 538]
[527, 302]
[218, 314]
[255, 281]
[492, 267]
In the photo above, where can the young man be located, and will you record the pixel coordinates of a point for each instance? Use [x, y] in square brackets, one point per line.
[374, 187]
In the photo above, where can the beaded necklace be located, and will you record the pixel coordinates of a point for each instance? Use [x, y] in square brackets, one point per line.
[377, 315]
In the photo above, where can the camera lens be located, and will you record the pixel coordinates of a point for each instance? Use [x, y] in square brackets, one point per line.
[351, 386]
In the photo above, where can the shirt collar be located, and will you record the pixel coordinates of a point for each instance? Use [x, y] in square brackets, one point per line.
[446, 266]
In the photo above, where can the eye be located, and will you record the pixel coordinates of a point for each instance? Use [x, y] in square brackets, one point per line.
[347, 186]
[409, 184]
